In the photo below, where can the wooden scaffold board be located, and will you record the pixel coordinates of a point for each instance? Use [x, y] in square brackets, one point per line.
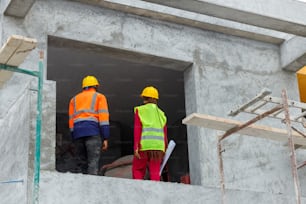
[224, 124]
[13, 53]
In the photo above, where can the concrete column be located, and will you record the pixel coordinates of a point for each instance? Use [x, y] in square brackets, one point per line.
[293, 53]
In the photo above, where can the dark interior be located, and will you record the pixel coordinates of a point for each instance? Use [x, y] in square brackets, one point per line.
[122, 76]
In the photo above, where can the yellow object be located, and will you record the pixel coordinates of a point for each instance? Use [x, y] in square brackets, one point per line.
[90, 81]
[150, 92]
[301, 79]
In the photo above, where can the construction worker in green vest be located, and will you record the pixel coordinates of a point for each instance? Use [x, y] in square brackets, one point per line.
[150, 136]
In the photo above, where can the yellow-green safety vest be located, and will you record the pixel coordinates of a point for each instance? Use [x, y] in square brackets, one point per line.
[153, 121]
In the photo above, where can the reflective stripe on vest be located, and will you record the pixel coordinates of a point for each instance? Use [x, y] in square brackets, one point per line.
[153, 121]
[93, 114]
[91, 110]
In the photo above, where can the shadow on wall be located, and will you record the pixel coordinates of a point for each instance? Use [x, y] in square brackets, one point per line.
[117, 161]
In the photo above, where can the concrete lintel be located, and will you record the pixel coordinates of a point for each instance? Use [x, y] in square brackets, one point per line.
[282, 15]
[18, 8]
[293, 53]
[132, 56]
[178, 16]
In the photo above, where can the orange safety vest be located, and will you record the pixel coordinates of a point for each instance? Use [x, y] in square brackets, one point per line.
[90, 106]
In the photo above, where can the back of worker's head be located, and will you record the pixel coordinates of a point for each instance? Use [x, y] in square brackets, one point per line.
[90, 81]
[150, 94]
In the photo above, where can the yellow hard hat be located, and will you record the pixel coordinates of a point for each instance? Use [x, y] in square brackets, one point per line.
[150, 92]
[90, 81]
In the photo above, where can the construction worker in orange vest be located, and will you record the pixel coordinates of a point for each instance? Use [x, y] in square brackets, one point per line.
[150, 136]
[89, 125]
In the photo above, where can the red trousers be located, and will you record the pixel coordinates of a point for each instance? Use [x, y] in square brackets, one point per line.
[140, 166]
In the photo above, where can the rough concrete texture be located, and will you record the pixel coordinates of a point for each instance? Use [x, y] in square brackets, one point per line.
[48, 130]
[228, 76]
[3, 5]
[47, 144]
[226, 72]
[293, 53]
[92, 189]
[14, 144]
[192, 19]
[268, 14]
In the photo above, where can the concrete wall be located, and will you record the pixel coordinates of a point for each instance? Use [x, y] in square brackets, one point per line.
[14, 146]
[18, 135]
[93, 189]
[47, 144]
[229, 74]
[226, 72]
[48, 124]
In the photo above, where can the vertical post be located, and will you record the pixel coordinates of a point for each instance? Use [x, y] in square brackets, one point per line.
[38, 130]
[221, 171]
[292, 150]
[234, 130]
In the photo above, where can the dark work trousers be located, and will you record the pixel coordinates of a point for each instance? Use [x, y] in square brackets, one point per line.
[88, 151]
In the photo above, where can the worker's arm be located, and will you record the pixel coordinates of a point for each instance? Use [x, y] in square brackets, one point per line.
[105, 133]
[71, 112]
[137, 133]
[103, 121]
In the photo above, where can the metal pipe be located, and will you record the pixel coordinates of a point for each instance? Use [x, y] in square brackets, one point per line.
[39, 75]
[20, 70]
[38, 130]
[11, 181]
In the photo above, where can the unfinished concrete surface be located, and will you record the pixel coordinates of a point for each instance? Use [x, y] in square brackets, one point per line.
[268, 14]
[226, 70]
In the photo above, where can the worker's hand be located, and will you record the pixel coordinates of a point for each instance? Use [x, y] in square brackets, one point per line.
[136, 154]
[104, 145]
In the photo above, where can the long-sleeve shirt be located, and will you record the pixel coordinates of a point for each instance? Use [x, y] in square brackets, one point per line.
[88, 115]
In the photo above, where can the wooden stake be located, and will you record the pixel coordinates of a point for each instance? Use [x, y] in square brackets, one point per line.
[259, 117]
[292, 150]
[221, 171]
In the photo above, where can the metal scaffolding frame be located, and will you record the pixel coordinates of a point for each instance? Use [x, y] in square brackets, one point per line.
[280, 110]
[39, 75]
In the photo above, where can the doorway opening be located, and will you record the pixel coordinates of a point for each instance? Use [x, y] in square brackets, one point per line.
[122, 75]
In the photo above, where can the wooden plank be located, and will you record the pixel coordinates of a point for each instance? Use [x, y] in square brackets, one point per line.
[9, 48]
[5, 75]
[16, 49]
[22, 51]
[224, 124]
[13, 53]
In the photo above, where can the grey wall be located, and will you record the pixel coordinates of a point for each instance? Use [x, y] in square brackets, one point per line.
[93, 189]
[228, 74]
[47, 132]
[18, 136]
[226, 71]
[14, 146]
